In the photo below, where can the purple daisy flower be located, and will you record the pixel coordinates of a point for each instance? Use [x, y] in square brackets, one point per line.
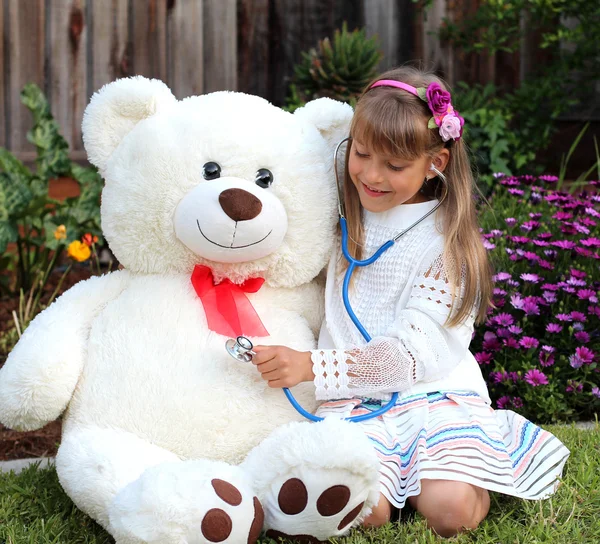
[583, 252]
[536, 377]
[562, 216]
[546, 359]
[511, 343]
[550, 287]
[504, 319]
[517, 402]
[596, 392]
[531, 308]
[564, 244]
[587, 294]
[483, 358]
[590, 242]
[535, 216]
[541, 243]
[511, 221]
[513, 329]
[594, 310]
[516, 192]
[503, 402]
[544, 235]
[585, 354]
[549, 296]
[580, 228]
[548, 178]
[499, 292]
[488, 245]
[502, 276]
[516, 301]
[578, 316]
[564, 317]
[531, 278]
[582, 337]
[553, 328]
[528, 342]
[577, 273]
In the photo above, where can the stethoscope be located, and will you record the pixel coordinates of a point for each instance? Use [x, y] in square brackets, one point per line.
[241, 348]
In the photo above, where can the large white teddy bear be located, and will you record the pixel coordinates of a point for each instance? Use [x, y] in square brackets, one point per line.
[166, 438]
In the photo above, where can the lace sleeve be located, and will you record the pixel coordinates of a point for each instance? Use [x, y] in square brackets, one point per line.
[417, 347]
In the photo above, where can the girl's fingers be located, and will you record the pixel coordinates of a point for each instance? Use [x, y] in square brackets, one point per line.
[263, 354]
[270, 376]
[269, 366]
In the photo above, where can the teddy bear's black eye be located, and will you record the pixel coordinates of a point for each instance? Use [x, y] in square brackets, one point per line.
[264, 178]
[211, 170]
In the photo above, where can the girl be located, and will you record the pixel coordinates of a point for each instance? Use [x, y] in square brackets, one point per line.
[441, 446]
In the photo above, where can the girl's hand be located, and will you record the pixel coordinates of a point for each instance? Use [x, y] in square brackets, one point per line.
[283, 367]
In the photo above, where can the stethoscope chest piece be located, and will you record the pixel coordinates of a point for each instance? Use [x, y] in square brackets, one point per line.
[240, 349]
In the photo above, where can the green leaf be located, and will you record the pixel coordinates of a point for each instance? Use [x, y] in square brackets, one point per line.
[422, 92]
[431, 123]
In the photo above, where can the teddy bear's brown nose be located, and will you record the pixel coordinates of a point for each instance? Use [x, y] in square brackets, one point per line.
[240, 205]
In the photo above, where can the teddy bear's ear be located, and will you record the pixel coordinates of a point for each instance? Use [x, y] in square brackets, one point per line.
[115, 109]
[332, 118]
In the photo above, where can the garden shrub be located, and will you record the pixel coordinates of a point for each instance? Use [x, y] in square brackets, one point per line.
[42, 227]
[539, 349]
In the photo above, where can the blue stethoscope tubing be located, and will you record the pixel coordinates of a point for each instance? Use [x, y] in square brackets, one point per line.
[352, 264]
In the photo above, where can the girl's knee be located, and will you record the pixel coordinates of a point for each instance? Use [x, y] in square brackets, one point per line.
[380, 515]
[454, 508]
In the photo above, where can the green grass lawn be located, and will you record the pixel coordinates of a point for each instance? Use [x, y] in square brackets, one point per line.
[34, 509]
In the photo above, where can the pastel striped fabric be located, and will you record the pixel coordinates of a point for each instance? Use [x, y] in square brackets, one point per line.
[457, 436]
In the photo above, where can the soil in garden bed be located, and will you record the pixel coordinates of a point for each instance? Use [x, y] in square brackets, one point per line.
[43, 442]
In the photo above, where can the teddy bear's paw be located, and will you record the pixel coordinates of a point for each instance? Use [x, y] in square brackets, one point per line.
[188, 502]
[311, 506]
[315, 480]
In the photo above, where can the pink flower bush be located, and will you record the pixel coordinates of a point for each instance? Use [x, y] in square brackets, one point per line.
[539, 348]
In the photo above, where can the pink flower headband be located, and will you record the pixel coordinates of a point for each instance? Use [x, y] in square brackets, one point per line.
[439, 101]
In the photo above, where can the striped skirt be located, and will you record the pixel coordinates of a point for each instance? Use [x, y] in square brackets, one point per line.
[457, 436]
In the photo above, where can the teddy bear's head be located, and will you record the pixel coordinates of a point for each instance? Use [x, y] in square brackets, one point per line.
[224, 179]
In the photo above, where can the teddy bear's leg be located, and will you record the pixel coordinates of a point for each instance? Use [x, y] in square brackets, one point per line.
[315, 480]
[143, 494]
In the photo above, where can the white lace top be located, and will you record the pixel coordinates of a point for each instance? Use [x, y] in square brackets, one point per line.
[402, 300]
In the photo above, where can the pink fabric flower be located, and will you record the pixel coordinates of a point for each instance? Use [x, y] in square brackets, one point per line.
[451, 127]
[438, 99]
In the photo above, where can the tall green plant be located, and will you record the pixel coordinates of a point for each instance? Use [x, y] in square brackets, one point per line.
[29, 218]
[337, 69]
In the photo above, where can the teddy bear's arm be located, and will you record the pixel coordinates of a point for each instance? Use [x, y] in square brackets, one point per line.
[40, 374]
[310, 303]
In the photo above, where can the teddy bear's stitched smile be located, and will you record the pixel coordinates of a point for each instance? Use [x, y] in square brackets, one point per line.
[231, 246]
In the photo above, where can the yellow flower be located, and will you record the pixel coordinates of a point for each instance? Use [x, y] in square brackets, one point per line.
[78, 251]
[61, 232]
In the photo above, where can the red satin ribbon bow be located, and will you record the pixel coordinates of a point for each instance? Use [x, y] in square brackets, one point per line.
[228, 310]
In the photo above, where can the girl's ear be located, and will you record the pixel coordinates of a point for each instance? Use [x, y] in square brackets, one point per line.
[115, 109]
[440, 160]
[330, 117]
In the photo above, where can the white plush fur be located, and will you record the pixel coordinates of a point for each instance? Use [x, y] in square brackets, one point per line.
[151, 399]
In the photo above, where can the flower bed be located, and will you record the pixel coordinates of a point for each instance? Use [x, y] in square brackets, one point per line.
[539, 348]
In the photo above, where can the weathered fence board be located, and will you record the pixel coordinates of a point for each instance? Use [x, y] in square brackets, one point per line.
[149, 36]
[3, 127]
[25, 48]
[254, 46]
[220, 45]
[66, 72]
[108, 39]
[185, 43]
[381, 19]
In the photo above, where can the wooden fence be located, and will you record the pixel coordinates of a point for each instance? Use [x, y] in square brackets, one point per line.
[70, 48]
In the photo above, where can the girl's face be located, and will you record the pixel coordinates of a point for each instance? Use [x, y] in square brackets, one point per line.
[384, 182]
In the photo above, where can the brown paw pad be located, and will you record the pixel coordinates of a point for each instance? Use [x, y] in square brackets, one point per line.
[227, 492]
[216, 525]
[333, 500]
[293, 497]
[259, 519]
[301, 539]
[350, 516]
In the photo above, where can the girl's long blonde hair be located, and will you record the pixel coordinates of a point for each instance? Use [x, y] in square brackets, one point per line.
[393, 122]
